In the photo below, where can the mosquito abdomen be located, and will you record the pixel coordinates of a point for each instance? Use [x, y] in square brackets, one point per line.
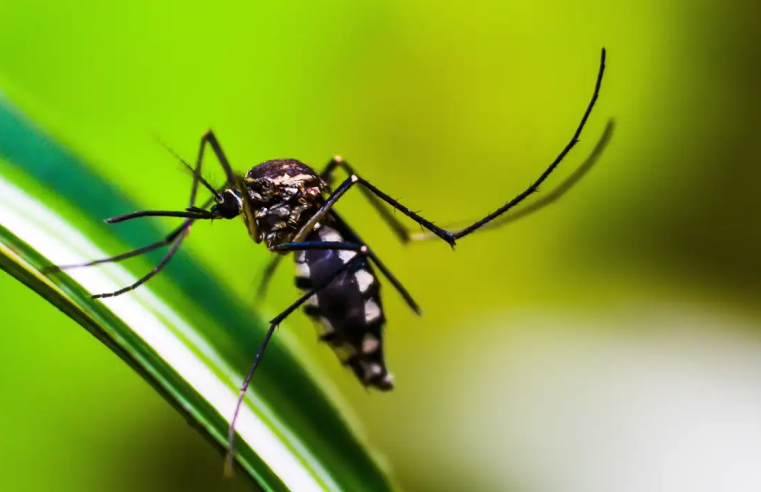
[348, 310]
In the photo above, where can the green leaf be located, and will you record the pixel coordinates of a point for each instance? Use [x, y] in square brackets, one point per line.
[192, 342]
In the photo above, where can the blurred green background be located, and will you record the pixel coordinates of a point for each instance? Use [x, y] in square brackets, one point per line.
[608, 343]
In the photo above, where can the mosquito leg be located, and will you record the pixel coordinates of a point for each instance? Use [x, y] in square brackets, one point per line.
[135, 252]
[396, 226]
[179, 234]
[391, 221]
[318, 245]
[354, 237]
[233, 181]
[192, 211]
[168, 256]
[535, 186]
[548, 198]
[346, 246]
[269, 271]
[176, 237]
[450, 237]
[345, 186]
[272, 325]
[172, 236]
[384, 270]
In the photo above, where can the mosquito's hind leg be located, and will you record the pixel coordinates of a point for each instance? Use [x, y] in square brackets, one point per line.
[547, 198]
[267, 274]
[391, 221]
[376, 195]
[534, 187]
[361, 251]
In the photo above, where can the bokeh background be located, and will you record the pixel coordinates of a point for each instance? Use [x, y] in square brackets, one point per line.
[610, 343]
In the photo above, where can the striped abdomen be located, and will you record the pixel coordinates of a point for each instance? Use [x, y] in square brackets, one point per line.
[349, 310]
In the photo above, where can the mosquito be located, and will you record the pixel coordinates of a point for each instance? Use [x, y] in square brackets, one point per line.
[288, 206]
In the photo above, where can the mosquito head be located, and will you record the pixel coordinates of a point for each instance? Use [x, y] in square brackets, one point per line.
[229, 205]
[280, 180]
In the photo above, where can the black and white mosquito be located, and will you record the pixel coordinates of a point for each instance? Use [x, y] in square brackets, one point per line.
[289, 206]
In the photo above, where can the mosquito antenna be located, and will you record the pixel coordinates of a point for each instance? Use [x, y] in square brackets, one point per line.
[198, 176]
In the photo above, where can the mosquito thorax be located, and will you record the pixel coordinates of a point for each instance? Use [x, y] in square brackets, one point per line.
[285, 194]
